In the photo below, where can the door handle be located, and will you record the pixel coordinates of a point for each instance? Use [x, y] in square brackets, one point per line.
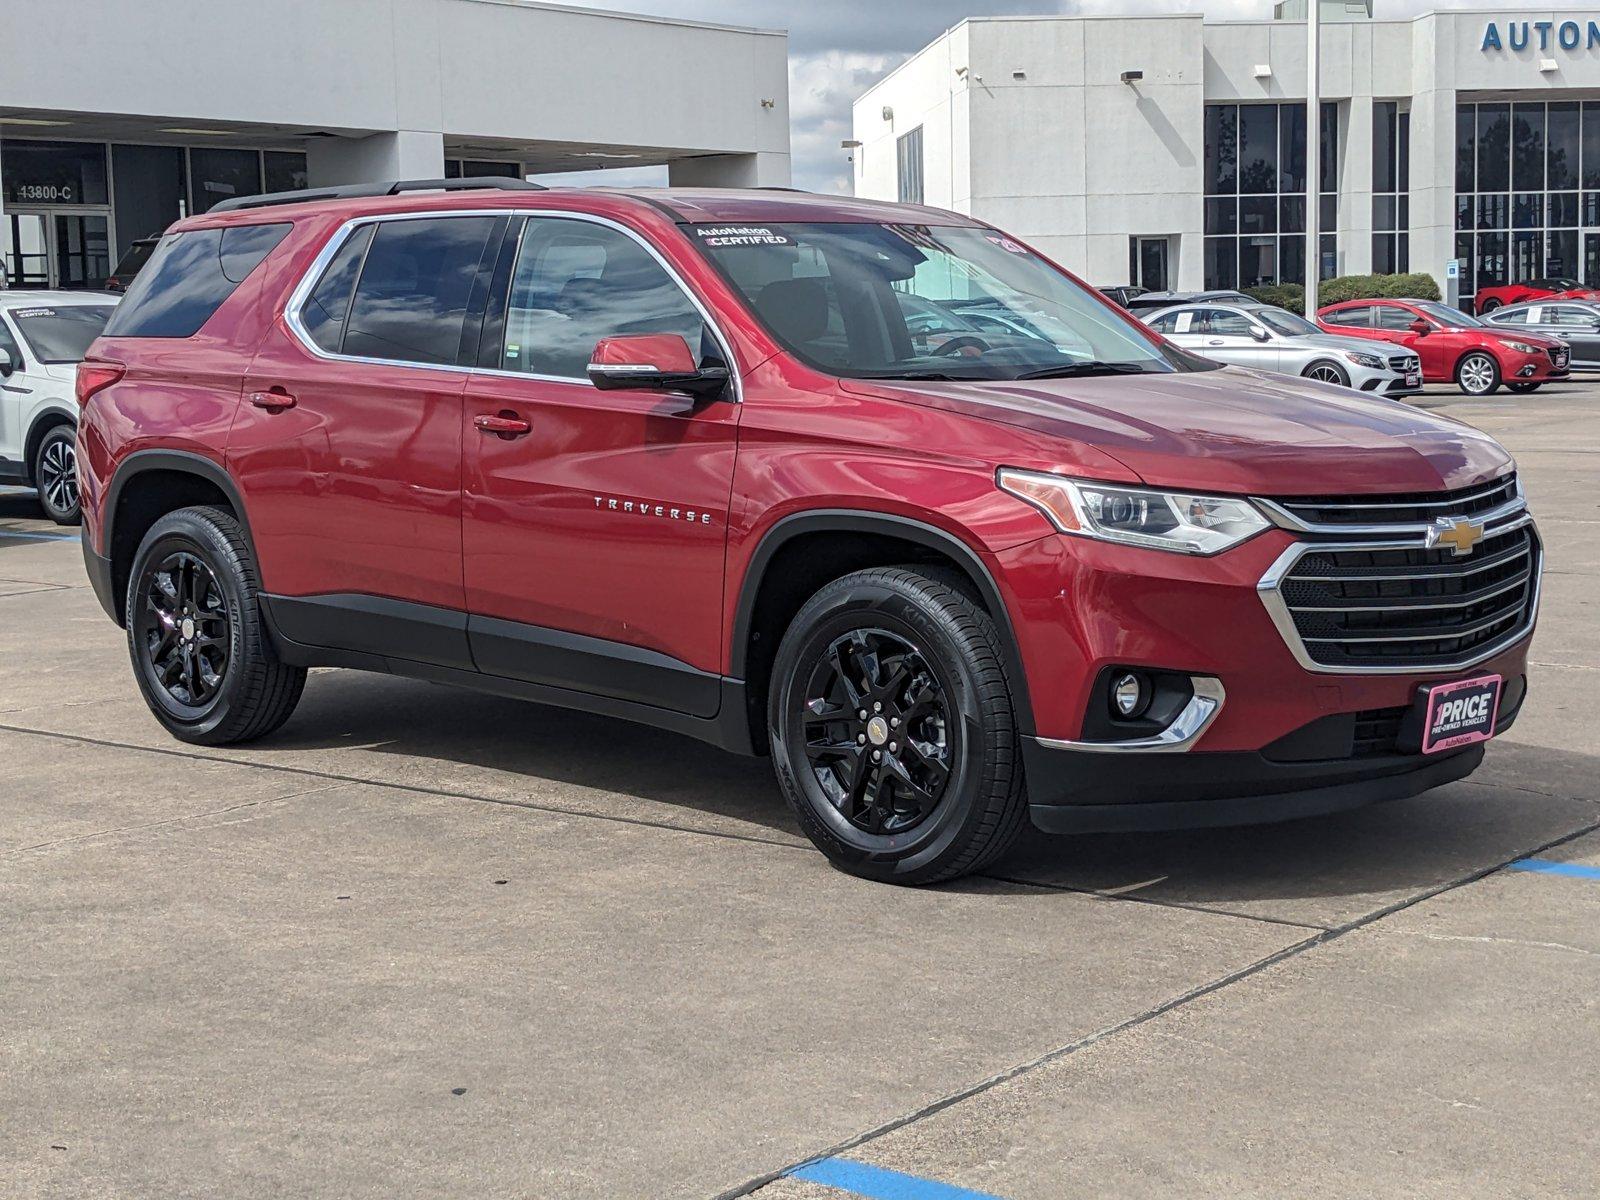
[1216, 342]
[275, 400]
[506, 425]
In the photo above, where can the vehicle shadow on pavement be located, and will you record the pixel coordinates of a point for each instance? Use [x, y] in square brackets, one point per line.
[21, 504]
[1397, 847]
[417, 722]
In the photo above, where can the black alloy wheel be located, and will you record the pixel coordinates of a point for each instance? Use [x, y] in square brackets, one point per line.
[182, 624]
[879, 735]
[201, 653]
[55, 475]
[892, 726]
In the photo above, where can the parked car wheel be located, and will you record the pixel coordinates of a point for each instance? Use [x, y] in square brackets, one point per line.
[1490, 305]
[199, 647]
[55, 474]
[1325, 370]
[1477, 374]
[892, 728]
[1524, 388]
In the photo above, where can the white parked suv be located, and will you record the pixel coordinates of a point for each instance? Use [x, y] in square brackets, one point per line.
[43, 337]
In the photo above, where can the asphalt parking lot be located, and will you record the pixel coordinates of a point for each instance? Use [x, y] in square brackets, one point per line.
[426, 943]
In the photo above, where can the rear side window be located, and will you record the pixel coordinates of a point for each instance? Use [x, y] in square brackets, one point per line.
[410, 302]
[1359, 317]
[324, 312]
[188, 278]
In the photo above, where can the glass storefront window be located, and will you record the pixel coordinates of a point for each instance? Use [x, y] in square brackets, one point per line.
[1527, 147]
[284, 170]
[216, 174]
[1391, 178]
[1255, 175]
[54, 172]
[1561, 146]
[1494, 147]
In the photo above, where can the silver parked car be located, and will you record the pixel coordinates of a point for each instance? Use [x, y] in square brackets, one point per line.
[1575, 322]
[1275, 339]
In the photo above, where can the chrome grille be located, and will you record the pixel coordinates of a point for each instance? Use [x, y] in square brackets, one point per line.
[1405, 363]
[1360, 597]
[1402, 508]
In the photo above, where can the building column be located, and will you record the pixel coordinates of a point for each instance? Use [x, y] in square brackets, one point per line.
[406, 154]
[1433, 160]
[1355, 190]
[765, 169]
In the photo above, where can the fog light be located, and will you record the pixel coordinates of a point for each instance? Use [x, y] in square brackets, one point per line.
[1129, 695]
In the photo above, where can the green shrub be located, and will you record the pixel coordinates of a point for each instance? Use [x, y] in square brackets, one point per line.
[1415, 286]
[1285, 295]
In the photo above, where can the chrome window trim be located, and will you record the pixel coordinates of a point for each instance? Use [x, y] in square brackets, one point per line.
[1269, 589]
[1177, 738]
[313, 275]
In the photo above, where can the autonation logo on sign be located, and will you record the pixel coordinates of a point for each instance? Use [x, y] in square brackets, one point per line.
[1521, 34]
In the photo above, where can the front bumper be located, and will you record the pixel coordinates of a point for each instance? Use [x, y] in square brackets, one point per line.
[1077, 791]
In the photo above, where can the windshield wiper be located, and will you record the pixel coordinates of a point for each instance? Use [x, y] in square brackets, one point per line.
[1091, 367]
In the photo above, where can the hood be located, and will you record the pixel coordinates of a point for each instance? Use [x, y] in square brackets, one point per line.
[1332, 341]
[1512, 334]
[1229, 430]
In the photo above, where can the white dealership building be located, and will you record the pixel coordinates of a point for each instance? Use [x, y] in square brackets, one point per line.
[1171, 151]
[118, 117]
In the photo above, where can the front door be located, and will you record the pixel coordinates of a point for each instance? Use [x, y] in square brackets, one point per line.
[57, 248]
[1150, 263]
[594, 539]
[1232, 337]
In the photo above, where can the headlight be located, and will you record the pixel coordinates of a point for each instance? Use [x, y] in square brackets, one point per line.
[1523, 348]
[1365, 360]
[1177, 521]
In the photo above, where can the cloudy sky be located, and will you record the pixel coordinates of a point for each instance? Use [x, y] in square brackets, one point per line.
[837, 48]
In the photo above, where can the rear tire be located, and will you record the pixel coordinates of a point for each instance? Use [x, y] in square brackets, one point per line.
[55, 475]
[1489, 306]
[928, 784]
[199, 647]
[1325, 370]
[1477, 374]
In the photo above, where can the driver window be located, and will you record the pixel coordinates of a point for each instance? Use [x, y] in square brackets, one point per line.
[1222, 323]
[1397, 318]
[576, 282]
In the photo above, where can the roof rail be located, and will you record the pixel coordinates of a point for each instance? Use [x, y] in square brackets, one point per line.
[350, 191]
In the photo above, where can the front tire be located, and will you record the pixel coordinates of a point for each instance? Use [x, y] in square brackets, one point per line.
[1325, 370]
[892, 728]
[55, 475]
[200, 650]
[1489, 306]
[1477, 374]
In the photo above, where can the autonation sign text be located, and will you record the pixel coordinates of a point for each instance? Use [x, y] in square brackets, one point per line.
[1522, 34]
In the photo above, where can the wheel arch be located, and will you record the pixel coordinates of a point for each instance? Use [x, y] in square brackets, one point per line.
[43, 422]
[147, 485]
[766, 600]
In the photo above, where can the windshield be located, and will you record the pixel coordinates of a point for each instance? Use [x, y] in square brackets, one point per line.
[1449, 317]
[1281, 320]
[1563, 285]
[61, 335]
[927, 302]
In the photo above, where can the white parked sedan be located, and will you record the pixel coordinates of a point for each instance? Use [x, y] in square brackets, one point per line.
[1274, 339]
[43, 338]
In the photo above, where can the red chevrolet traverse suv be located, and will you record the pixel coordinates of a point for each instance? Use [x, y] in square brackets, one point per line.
[672, 456]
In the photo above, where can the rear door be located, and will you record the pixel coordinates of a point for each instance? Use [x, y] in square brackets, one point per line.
[594, 540]
[1576, 324]
[348, 446]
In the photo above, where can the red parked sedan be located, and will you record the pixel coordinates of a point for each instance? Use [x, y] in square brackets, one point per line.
[1491, 298]
[1454, 347]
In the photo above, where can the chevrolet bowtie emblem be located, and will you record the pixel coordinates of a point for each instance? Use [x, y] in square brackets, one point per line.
[1460, 534]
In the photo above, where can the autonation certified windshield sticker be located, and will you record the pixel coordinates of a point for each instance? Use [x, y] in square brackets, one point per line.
[1007, 244]
[22, 314]
[740, 235]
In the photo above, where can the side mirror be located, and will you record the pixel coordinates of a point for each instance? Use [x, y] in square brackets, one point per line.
[653, 362]
[1420, 327]
[1260, 334]
[6, 365]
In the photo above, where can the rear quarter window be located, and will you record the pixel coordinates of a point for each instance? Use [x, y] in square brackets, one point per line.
[189, 277]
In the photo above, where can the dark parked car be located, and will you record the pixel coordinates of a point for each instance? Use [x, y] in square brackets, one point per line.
[131, 263]
[1575, 322]
[1124, 295]
[1149, 302]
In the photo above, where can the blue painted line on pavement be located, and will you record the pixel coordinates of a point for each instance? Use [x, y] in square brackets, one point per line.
[38, 537]
[878, 1183]
[1549, 866]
